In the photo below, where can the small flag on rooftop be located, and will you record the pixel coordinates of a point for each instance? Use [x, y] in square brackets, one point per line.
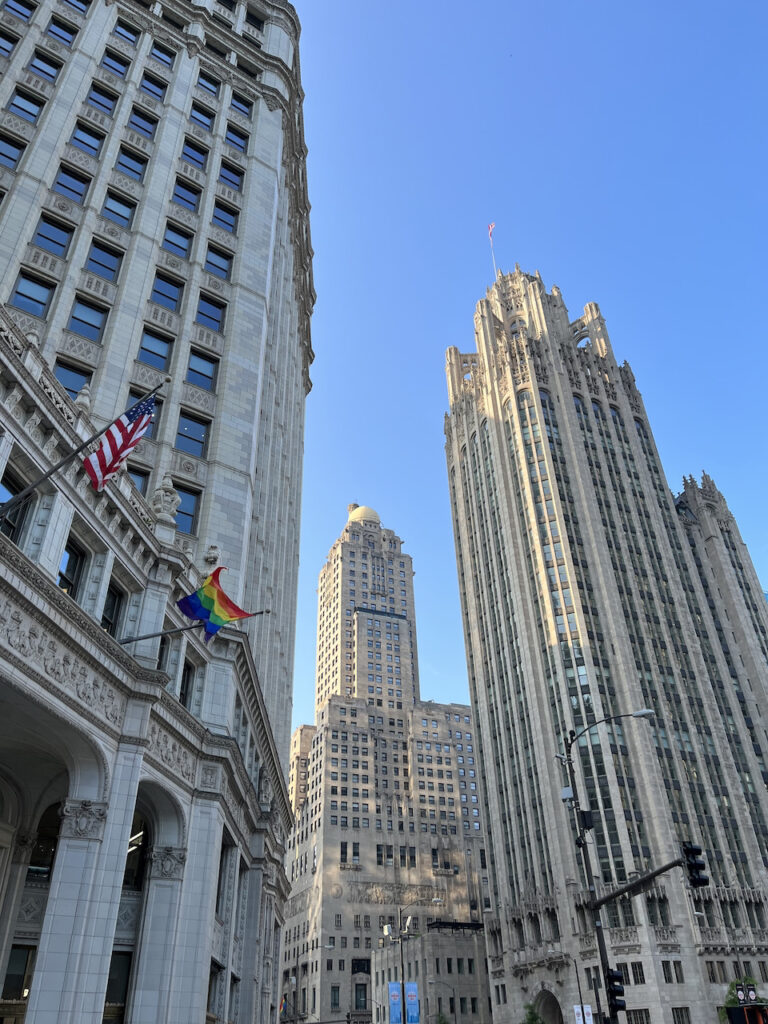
[211, 605]
[118, 442]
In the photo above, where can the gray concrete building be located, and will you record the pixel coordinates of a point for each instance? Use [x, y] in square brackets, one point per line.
[391, 820]
[153, 233]
[590, 590]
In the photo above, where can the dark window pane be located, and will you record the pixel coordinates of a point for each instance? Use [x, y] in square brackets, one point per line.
[254, 20]
[224, 217]
[119, 975]
[241, 104]
[71, 379]
[18, 975]
[177, 241]
[79, 5]
[87, 320]
[113, 605]
[229, 175]
[131, 165]
[192, 435]
[119, 210]
[201, 116]
[186, 195]
[163, 54]
[52, 236]
[126, 32]
[209, 84]
[7, 43]
[202, 371]
[86, 139]
[142, 123]
[44, 67]
[153, 87]
[195, 155]
[115, 63]
[19, 9]
[32, 295]
[140, 478]
[186, 513]
[71, 184]
[155, 350]
[12, 524]
[62, 31]
[166, 292]
[103, 261]
[10, 151]
[71, 568]
[218, 262]
[101, 99]
[210, 313]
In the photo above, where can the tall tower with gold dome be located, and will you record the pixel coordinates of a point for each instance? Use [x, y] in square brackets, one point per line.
[367, 576]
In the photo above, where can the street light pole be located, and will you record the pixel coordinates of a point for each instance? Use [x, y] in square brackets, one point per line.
[400, 935]
[581, 840]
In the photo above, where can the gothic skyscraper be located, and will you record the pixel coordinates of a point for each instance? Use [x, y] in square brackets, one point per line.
[589, 589]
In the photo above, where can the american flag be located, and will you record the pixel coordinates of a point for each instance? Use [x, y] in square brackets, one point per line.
[119, 440]
[490, 230]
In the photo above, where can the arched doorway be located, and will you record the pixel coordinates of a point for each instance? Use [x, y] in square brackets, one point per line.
[548, 1008]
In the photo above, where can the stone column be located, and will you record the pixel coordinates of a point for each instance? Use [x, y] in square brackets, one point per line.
[70, 979]
[158, 936]
[11, 889]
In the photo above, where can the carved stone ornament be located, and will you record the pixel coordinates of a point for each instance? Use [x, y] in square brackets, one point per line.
[167, 862]
[212, 555]
[165, 501]
[83, 399]
[23, 845]
[83, 819]
[171, 753]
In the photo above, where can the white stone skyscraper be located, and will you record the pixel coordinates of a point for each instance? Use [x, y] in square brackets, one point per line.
[154, 234]
[589, 589]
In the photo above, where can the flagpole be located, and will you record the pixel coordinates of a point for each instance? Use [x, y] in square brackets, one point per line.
[178, 629]
[9, 505]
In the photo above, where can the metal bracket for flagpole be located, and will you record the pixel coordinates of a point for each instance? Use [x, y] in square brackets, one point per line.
[178, 629]
[9, 505]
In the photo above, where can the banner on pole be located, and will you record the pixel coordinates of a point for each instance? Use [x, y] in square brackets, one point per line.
[411, 1002]
[395, 1009]
[586, 1018]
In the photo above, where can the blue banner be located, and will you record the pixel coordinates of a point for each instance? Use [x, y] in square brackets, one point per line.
[411, 1002]
[395, 1009]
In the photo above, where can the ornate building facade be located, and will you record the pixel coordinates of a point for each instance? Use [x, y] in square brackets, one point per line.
[391, 816]
[590, 590]
[153, 233]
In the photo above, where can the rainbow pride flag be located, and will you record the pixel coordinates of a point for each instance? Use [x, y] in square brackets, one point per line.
[211, 605]
[282, 1006]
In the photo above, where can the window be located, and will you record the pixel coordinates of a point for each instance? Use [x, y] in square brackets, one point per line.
[153, 87]
[71, 184]
[12, 524]
[167, 292]
[177, 241]
[211, 313]
[101, 99]
[142, 123]
[241, 104]
[195, 155]
[71, 568]
[42, 66]
[25, 106]
[103, 261]
[53, 236]
[18, 976]
[155, 349]
[19, 9]
[163, 54]
[335, 1000]
[127, 32]
[186, 687]
[638, 973]
[254, 20]
[681, 1015]
[113, 605]
[71, 378]
[202, 371]
[130, 164]
[186, 513]
[61, 31]
[186, 195]
[32, 295]
[7, 43]
[119, 210]
[113, 62]
[208, 84]
[231, 176]
[79, 5]
[10, 151]
[136, 396]
[87, 320]
[218, 262]
[201, 116]
[140, 478]
[224, 217]
[236, 138]
[87, 139]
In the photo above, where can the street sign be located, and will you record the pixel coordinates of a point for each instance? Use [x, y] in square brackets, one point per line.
[587, 1018]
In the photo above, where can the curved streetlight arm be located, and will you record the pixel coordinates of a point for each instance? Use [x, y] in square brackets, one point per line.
[573, 736]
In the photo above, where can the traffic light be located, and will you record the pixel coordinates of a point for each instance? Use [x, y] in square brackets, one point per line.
[694, 865]
[614, 988]
[349, 1017]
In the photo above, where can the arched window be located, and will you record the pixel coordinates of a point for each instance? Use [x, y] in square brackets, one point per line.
[136, 858]
[44, 852]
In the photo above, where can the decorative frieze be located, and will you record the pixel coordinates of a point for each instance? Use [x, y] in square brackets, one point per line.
[171, 753]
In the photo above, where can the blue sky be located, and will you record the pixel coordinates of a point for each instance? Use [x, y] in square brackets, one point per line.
[621, 150]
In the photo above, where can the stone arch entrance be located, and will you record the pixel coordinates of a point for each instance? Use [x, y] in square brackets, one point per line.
[548, 1007]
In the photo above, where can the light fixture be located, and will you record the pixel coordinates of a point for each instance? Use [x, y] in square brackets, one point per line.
[643, 713]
